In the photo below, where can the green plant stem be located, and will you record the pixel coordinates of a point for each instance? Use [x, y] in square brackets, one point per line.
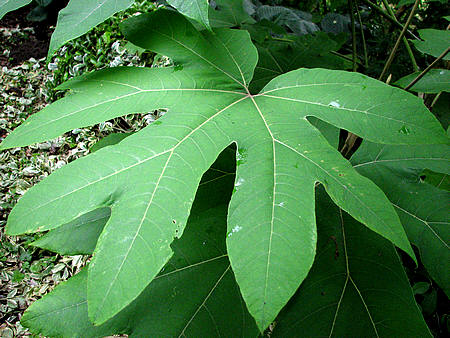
[435, 100]
[388, 8]
[351, 138]
[388, 17]
[426, 70]
[352, 19]
[405, 40]
[411, 54]
[397, 43]
[281, 39]
[345, 57]
[366, 58]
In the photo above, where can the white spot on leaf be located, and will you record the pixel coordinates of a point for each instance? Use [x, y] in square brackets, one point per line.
[237, 228]
[334, 104]
[239, 182]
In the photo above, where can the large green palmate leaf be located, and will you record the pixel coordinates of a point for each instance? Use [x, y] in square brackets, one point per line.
[423, 208]
[195, 294]
[79, 16]
[356, 288]
[149, 180]
[7, 6]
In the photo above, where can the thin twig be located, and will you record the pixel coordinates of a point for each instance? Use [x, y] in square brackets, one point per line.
[435, 100]
[405, 40]
[411, 54]
[345, 57]
[352, 20]
[388, 17]
[397, 43]
[351, 138]
[366, 57]
[426, 70]
[388, 8]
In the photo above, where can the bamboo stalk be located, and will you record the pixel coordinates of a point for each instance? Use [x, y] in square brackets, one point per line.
[352, 20]
[397, 43]
[388, 17]
[405, 40]
[366, 57]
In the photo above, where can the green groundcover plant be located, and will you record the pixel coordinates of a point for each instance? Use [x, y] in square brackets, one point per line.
[235, 212]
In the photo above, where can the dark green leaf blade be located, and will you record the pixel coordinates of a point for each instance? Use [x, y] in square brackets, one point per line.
[356, 287]
[438, 180]
[330, 132]
[423, 209]
[307, 51]
[76, 237]
[435, 81]
[194, 294]
[109, 140]
[435, 42]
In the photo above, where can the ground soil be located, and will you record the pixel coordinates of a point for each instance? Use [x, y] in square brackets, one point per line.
[32, 44]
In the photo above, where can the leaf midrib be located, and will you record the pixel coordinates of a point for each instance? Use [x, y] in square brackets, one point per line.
[338, 182]
[399, 160]
[349, 278]
[205, 300]
[266, 278]
[207, 61]
[190, 266]
[138, 230]
[100, 4]
[424, 222]
[58, 310]
[41, 125]
[145, 160]
[343, 108]
[275, 140]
